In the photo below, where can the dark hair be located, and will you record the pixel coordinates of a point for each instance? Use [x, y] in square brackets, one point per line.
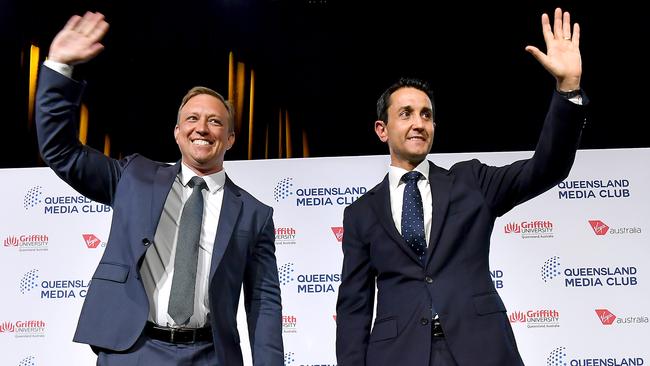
[384, 100]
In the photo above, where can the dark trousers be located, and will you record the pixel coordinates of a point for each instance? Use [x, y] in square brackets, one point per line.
[148, 352]
[440, 355]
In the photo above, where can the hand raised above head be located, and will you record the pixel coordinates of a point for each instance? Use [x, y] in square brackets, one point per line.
[562, 58]
[79, 40]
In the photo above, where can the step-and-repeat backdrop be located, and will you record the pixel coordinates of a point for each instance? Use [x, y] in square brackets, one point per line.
[572, 265]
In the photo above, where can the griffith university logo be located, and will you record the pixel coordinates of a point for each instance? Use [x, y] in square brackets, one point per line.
[24, 328]
[289, 324]
[338, 233]
[27, 242]
[589, 276]
[285, 236]
[32, 285]
[92, 241]
[308, 283]
[317, 195]
[600, 228]
[35, 200]
[530, 229]
[541, 318]
[607, 318]
[561, 357]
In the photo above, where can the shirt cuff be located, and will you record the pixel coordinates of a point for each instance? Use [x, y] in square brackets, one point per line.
[61, 68]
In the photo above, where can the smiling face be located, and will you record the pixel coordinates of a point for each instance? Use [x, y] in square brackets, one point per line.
[203, 133]
[409, 128]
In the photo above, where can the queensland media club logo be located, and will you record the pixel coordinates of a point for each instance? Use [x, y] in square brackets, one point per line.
[607, 318]
[28, 361]
[23, 328]
[588, 276]
[530, 229]
[338, 233]
[308, 283]
[497, 278]
[36, 200]
[27, 242]
[594, 189]
[303, 196]
[92, 241]
[285, 236]
[561, 357]
[540, 318]
[600, 229]
[31, 284]
[289, 324]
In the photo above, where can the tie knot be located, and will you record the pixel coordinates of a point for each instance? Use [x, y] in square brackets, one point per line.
[197, 182]
[413, 175]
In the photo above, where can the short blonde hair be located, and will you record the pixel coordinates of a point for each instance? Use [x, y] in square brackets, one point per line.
[198, 90]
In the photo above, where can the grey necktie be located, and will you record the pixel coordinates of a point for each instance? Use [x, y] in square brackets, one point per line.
[181, 297]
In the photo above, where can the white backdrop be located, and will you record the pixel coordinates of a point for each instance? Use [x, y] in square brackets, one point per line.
[571, 265]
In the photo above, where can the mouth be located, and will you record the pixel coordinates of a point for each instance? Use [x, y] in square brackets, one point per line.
[416, 138]
[201, 142]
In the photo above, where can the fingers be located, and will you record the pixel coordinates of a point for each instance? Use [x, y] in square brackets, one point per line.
[557, 23]
[547, 31]
[88, 23]
[72, 22]
[566, 25]
[576, 35]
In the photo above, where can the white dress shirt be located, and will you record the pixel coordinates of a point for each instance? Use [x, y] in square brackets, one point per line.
[157, 269]
[396, 186]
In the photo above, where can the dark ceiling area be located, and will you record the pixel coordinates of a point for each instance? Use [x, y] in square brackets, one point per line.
[325, 63]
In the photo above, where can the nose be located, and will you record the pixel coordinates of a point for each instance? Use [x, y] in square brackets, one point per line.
[201, 126]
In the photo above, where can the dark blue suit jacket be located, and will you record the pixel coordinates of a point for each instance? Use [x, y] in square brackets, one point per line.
[455, 279]
[116, 307]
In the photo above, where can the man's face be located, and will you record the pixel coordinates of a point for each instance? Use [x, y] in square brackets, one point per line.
[202, 134]
[409, 129]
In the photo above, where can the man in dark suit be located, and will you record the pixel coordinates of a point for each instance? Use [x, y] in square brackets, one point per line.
[423, 234]
[184, 237]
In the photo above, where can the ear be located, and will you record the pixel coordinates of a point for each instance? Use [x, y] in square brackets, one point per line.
[381, 130]
[176, 129]
[231, 140]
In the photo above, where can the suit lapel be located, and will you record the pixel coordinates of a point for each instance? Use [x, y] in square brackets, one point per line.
[440, 183]
[228, 216]
[380, 201]
[161, 186]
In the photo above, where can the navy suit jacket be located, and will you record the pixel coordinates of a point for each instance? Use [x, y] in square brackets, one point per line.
[455, 277]
[116, 307]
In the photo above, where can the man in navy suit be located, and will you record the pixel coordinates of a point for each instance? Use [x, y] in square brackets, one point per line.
[137, 310]
[422, 236]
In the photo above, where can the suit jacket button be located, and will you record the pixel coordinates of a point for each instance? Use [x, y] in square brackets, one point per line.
[428, 279]
[424, 321]
[146, 242]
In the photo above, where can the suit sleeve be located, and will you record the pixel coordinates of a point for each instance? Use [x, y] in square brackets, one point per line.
[263, 301]
[88, 171]
[356, 297]
[508, 186]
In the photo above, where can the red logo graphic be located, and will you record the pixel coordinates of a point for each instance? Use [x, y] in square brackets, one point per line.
[91, 240]
[7, 327]
[605, 316]
[599, 227]
[512, 228]
[338, 232]
[517, 316]
[11, 241]
[334, 316]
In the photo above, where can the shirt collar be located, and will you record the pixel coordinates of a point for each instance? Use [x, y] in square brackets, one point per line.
[214, 181]
[395, 174]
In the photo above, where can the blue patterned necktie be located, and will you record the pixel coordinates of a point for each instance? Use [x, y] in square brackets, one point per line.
[413, 215]
[181, 297]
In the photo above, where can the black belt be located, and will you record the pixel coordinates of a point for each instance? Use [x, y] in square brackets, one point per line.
[436, 329]
[178, 335]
